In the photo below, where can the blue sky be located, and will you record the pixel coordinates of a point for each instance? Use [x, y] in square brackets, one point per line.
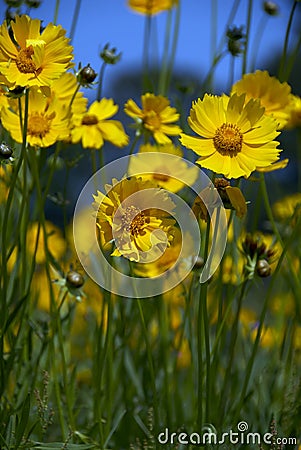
[112, 21]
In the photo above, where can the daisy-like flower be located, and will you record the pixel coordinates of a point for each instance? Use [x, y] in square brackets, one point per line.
[156, 117]
[32, 58]
[65, 90]
[150, 7]
[274, 95]
[169, 173]
[294, 119]
[140, 232]
[236, 138]
[47, 120]
[92, 127]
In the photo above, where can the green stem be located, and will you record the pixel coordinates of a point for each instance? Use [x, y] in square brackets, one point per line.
[250, 365]
[100, 80]
[285, 45]
[269, 212]
[248, 31]
[146, 47]
[165, 60]
[56, 12]
[150, 363]
[75, 19]
[203, 327]
[257, 40]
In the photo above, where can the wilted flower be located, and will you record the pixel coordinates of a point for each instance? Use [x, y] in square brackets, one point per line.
[259, 255]
[271, 8]
[236, 138]
[110, 55]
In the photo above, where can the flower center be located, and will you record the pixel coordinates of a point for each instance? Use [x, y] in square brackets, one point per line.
[152, 120]
[133, 220]
[228, 139]
[89, 119]
[39, 125]
[24, 62]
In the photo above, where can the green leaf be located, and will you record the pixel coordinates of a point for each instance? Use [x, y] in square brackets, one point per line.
[20, 429]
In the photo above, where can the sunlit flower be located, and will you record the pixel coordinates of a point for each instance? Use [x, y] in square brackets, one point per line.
[139, 232]
[150, 7]
[32, 57]
[156, 117]
[65, 90]
[236, 138]
[273, 95]
[170, 174]
[92, 127]
[47, 120]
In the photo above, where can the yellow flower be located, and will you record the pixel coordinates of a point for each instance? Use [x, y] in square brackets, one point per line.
[286, 207]
[32, 58]
[47, 120]
[236, 138]
[156, 116]
[167, 173]
[294, 119]
[93, 128]
[150, 7]
[55, 241]
[273, 95]
[139, 232]
[64, 89]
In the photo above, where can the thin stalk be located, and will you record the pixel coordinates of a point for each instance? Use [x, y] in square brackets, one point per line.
[270, 215]
[213, 33]
[56, 12]
[257, 40]
[292, 59]
[150, 363]
[146, 46]
[248, 31]
[285, 45]
[75, 19]
[250, 365]
[100, 80]
[203, 333]
[165, 60]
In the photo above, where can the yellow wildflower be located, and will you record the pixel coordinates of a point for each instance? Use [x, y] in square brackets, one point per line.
[92, 128]
[140, 232]
[32, 58]
[156, 116]
[236, 138]
[273, 95]
[150, 7]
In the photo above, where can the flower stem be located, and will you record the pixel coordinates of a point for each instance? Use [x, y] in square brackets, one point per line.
[248, 30]
[75, 19]
[282, 64]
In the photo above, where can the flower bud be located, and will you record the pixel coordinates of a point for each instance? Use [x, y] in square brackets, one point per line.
[17, 92]
[109, 56]
[5, 151]
[263, 269]
[86, 75]
[236, 40]
[271, 8]
[74, 279]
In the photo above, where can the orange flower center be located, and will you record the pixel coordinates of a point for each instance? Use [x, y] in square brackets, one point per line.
[24, 62]
[89, 119]
[152, 120]
[133, 220]
[228, 139]
[39, 125]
